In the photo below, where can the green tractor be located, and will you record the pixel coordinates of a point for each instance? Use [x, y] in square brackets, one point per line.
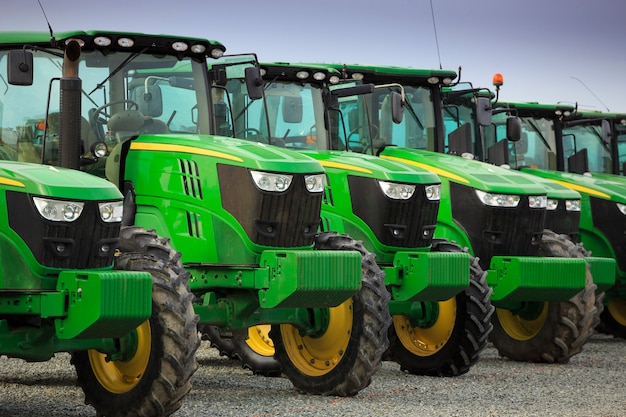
[543, 290]
[439, 296]
[576, 151]
[245, 216]
[125, 317]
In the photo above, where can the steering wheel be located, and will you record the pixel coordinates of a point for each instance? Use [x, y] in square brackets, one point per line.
[101, 110]
[365, 142]
[256, 135]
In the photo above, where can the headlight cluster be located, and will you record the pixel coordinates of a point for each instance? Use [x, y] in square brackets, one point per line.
[278, 183]
[397, 191]
[572, 205]
[433, 192]
[315, 183]
[621, 207]
[537, 201]
[69, 211]
[552, 204]
[498, 200]
[268, 181]
[58, 210]
[111, 212]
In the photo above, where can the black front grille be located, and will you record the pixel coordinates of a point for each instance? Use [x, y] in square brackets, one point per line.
[495, 231]
[287, 219]
[563, 222]
[612, 223]
[403, 223]
[85, 243]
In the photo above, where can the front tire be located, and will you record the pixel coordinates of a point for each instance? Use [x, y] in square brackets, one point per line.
[343, 360]
[454, 341]
[554, 331]
[154, 374]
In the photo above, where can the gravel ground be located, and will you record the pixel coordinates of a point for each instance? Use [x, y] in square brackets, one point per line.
[592, 384]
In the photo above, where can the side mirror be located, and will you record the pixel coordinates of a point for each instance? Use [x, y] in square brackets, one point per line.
[254, 82]
[606, 131]
[150, 101]
[513, 128]
[397, 111]
[20, 68]
[483, 111]
[292, 109]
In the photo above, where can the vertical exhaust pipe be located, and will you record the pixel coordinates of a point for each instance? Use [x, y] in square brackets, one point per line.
[70, 109]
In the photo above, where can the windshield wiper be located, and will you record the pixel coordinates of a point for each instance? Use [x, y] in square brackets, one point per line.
[118, 68]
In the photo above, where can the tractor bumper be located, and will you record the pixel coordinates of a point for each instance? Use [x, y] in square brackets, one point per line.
[427, 276]
[308, 279]
[520, 279]
[103, 304]
[603, 271]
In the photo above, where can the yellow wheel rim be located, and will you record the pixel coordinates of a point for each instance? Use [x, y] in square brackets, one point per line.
[317, 356]
[519, 328]
[259, 340]
[119, 376]
[617, 309]
[427, 341]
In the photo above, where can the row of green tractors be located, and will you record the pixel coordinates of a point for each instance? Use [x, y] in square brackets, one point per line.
[311, 220]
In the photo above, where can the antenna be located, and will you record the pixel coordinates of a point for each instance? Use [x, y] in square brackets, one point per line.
[592, 93]
[49, 27]
[432, 12]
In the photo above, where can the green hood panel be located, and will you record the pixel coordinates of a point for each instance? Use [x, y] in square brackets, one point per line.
[373, 167]
[479, 175]
[57, 182]
[238, 152]
[556, 190]
[595, 185]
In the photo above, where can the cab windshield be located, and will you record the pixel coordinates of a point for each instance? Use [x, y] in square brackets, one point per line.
[124, 94]
[537, 145]
[589, 136]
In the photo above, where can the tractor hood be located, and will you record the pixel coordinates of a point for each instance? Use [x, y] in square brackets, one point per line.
[373, 167]
[475, 174]
[55, 182]
[593, 185]
[254, 155]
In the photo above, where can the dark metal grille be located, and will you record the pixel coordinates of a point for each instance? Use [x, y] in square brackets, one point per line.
[563, 222]
[287, 219]
[495, 231]
[85, 243]
[403, 223]
[612, 223]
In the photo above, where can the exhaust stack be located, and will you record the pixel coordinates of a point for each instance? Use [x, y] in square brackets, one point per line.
[70, 109]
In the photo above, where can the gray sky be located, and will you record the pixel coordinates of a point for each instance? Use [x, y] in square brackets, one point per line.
[547, 50]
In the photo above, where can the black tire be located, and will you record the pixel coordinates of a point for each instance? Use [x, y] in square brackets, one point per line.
[255, 349]
[559, 329]
[252, 346]
[613, 318]
[333, 365]
[452, 344]
[223, 344]
[165, 358]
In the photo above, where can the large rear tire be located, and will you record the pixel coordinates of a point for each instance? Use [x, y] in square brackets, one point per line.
[154, 374]
[343, 360]
[556, 330]
[454, 341]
